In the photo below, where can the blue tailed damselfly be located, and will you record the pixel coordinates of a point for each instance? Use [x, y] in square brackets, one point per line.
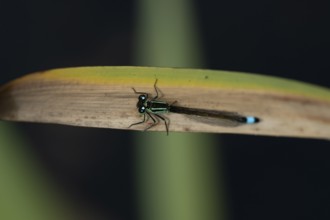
[153, 108]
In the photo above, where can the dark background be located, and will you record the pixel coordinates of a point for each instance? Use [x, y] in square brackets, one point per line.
[268, 178]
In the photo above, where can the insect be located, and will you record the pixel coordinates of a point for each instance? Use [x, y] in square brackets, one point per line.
[154, 108]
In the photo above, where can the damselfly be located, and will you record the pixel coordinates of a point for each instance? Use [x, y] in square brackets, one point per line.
[154, 108]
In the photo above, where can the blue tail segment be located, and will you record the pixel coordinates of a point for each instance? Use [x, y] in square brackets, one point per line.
[251, 120]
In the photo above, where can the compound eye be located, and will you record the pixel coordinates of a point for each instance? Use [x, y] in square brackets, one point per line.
[143, 98]
[142, 109]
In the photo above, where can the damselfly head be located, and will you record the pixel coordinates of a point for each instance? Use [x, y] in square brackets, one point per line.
[142, 100]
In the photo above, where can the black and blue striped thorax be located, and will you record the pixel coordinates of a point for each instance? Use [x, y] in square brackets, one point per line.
[157, 106]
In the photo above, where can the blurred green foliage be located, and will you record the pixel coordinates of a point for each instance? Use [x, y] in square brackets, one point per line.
[25, 190]
[177, 175]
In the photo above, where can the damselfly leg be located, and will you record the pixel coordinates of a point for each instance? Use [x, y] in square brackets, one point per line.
[141, 122]
[165, 121]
